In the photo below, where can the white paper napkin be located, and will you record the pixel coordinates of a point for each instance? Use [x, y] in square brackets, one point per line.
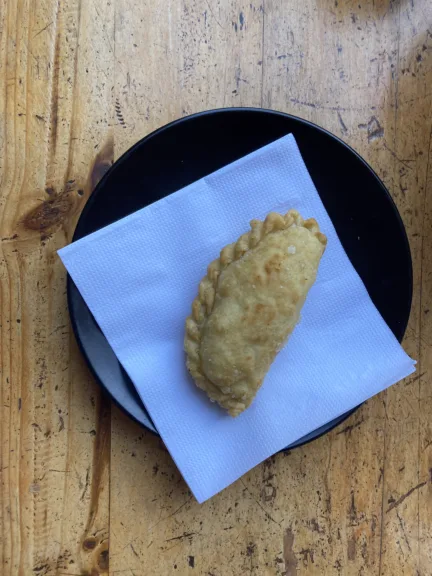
[140, 275]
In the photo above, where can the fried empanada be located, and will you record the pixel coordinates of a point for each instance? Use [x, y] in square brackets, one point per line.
[248, 305]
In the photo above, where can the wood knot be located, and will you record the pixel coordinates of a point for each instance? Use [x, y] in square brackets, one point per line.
[89, 544]
[50, 213]
[103, 560]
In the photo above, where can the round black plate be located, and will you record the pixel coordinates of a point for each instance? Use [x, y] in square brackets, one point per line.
[362, 211]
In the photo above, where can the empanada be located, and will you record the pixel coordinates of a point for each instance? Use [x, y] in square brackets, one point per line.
[248, 305]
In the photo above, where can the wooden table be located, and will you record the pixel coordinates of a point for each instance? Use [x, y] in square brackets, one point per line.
[86, 491]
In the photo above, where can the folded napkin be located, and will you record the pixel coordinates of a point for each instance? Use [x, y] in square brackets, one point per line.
[139, 276]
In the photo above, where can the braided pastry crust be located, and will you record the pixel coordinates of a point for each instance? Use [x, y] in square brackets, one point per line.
[248, 304]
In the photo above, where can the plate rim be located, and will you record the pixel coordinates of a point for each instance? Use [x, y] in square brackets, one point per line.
[94, 193]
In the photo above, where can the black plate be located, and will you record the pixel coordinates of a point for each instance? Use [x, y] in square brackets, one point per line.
[362, 211]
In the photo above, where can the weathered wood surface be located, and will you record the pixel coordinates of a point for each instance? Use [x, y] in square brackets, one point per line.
[83, 489]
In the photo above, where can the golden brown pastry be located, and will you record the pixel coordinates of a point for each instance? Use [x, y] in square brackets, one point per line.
[248, 305]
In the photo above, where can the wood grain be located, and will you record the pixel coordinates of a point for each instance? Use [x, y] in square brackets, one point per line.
[406, 482]
[56, 110]
[84, 490]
